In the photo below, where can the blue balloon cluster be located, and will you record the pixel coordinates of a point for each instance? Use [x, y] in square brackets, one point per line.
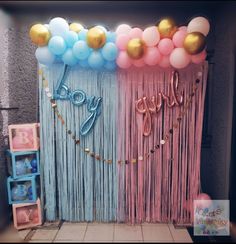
[71, 48]
[22, 192]
[25, 166]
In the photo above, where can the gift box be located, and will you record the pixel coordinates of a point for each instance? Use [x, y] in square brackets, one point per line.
[21, 164]
[27, 215]
[24, 137]
[22, 190]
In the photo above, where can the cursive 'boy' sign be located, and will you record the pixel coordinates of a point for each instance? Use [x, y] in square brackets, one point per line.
[78, 97]
[147, 106]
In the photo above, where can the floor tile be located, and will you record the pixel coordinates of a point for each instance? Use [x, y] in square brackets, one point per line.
[180, 234]
[10, 234]
[125, 232]
[152, 224]
[101, 241]
[71, 232]
[99, 232]
[156, 233]
[127, 241]
[44, 235]
[40, 241]
[23, 233]
[65, 241]
[75, 223]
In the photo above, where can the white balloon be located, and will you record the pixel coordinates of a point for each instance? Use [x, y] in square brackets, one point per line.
[44, 56]
[179, 58]
[199, 24]
[47, 26]
[123, 29]
[58, 27]
[102, 28]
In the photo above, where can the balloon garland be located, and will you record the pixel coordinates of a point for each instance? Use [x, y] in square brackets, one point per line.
[164, 45]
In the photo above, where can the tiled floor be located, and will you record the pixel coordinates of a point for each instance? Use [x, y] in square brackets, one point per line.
[99, 232]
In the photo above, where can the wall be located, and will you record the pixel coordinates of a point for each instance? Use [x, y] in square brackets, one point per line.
[4, 103]
[19, 74]
[216, 163]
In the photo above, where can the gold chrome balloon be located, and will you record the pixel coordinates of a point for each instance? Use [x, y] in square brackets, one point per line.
[136, 48]
[76, 27]
[39, 34]
[194, 43]
[167, 28]
[96, 37]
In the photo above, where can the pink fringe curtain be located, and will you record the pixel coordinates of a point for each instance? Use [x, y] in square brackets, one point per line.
[159, 188]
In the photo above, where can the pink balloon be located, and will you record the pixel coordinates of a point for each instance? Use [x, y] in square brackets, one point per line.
[179, 58]
[204, 200]
[123, 60]
[184, 28]
[164, 62]
[199, 24]
[198, 58]
[139, 62]
[122, 41]
[152, 56]
[123, 29]
[165, 46]
[151, 36]
[135, 33]
[178, 38]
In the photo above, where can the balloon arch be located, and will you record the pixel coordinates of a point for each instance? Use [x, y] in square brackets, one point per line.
[165, 45]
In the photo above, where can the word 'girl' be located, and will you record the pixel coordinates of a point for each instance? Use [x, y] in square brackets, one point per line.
[147, 106]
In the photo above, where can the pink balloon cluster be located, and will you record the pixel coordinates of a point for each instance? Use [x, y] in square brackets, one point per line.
[164, 52]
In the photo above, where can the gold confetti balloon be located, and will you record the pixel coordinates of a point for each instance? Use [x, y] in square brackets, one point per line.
[39, 34]
[194, 43]
[167, 28]
[76, 27]
[96, 38]
[136, 48]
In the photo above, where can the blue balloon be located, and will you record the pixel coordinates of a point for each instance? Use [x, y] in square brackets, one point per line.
[34, 170]
[83, 34]
[110, 65]
[19, 193]
[109, 51]
[34, 163]
[71, 38]
[30, 190]
[111, 36]
[81, 50]
[57, 45]
[58, 27]
[44, 56]
[96, 60]
[58, 59]
[69, 58]
[84, 63]
[20, 167]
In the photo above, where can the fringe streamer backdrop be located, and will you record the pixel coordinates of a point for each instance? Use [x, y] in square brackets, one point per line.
[158, 188]
[76, 187]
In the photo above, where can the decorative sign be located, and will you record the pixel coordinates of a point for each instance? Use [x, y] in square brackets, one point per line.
[78, 98]
[147, 106]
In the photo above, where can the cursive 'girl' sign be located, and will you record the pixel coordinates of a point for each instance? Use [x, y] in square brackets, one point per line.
[154, 104]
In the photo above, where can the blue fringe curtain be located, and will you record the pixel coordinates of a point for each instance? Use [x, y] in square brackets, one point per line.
[75, 186]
